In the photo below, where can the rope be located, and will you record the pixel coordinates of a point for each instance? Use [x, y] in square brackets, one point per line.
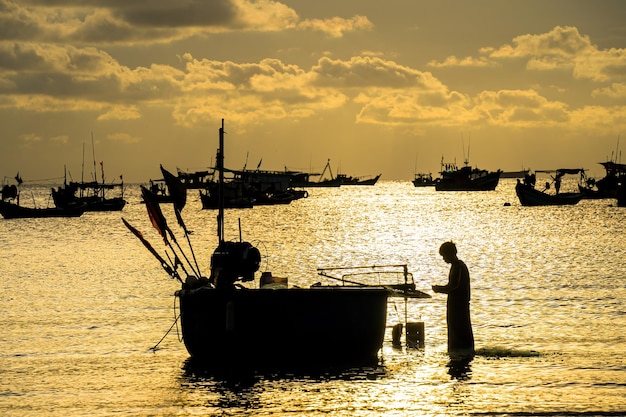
[176, 317]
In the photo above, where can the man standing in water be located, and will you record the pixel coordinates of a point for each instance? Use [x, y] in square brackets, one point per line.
[460, 335]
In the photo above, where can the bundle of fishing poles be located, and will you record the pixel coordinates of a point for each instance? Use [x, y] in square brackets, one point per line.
[178, 193]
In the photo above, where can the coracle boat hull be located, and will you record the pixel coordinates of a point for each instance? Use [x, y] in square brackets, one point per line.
[326, 324]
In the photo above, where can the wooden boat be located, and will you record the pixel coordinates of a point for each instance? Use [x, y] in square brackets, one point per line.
[10, 207]
[515, 174]
[229, 321]
[235, 195]
[195, 180]
[249, 188]
[348, 180]
[607, 186]
[424, 180]
[159, 189]
[10, 210]
[93, 194]
[302, 179]
[529, 196]
[466, 178]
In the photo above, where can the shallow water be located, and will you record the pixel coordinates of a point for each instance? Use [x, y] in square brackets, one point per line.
[84, 303]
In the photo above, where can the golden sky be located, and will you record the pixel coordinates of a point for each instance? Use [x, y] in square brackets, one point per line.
[385, 87]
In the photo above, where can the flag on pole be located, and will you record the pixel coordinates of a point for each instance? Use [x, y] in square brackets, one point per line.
[177, 190]
[154, 212]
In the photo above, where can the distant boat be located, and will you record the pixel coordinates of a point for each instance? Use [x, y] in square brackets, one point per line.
[249, 188]
[92, 193]
[607, 186]
[11, 210]
[424, 180]
[514, 174]
[160, 191]
[235, 195]
[10, 207]
[348, 180]
[302, 179]
[466, 178]
[195, 180]
[528, 195]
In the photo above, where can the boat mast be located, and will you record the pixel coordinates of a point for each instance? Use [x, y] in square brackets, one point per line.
[220, 185]
[93, 154]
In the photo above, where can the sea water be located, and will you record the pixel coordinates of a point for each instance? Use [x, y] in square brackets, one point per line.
[84, 304]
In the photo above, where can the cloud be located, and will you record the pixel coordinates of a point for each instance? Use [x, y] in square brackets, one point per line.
[62, 139]
[453, 61]
[30, 139]
[519, 108]
[562, 48]
[55, 77]
[123, 138]
[336, 27]
[565, 48]
[615, 90]
[106, 22]
[121, 113]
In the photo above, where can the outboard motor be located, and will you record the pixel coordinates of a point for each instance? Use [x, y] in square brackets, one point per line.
[234, 261]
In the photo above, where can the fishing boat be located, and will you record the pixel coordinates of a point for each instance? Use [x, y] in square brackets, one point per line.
[94, 194]
[229, 319]
[466, 178]
[424, 180]
[365, 180]
[303, 179]
[11, 209]
[607, 186]
[530, 196]
[196, 179]
[514, 174]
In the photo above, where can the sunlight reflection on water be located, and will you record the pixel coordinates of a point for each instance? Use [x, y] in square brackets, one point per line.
[85, 302]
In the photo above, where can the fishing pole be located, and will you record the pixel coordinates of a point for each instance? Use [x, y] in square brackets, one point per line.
[166, 266]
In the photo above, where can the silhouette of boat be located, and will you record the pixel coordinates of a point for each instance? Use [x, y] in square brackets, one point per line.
[530, 196]
[607, 186]
[91, 193]
[466, 178]
[249, 188]
[348, 180]
[515, 174]
[10, 207]
[11, 210]
[195, 180]
[303, 179]
[424, 180]
[235, 195]
[227, 324]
